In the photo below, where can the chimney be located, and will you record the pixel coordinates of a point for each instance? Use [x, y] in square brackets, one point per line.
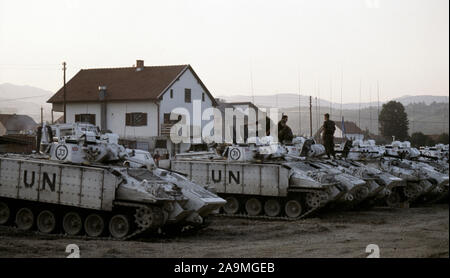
[139, 65]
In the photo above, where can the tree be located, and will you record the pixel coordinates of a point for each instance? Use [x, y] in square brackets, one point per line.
[443, 139]
[418, 139]
[393, 121]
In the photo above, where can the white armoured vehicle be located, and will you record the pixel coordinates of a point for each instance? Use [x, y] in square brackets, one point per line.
[84, 182]
[267, 180]
[424, 175]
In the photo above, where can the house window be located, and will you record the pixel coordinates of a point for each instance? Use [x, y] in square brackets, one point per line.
[130, 144]
[136, 119]
[85, 118]
[142, 146]
[171, 93]
[166, 118]
[203, 97]
[161, 144]
[187, 95]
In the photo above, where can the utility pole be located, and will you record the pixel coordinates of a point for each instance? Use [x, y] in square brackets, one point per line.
[331, 95]
[342, 85]
[378, 98]
[42, 115]
[378, 108]
[299, 104]
[318, 103]
[310, 116]
[359, 105]
[370, 108]
[251, 81]
[317, 116]
[64, 90]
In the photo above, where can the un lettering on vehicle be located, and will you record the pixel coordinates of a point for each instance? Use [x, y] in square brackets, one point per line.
[59, 184]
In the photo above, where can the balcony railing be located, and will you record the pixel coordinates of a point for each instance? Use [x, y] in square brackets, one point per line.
[165, 129]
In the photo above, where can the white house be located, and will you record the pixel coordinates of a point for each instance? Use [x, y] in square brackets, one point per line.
[134, 102]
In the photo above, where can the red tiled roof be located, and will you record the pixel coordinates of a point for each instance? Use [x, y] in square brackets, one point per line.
[15, 123]
[122, 83]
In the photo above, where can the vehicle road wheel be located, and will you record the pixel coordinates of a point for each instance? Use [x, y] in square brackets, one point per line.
[5, 213]
[24, 219]
[72, 223]
[46, 222]
[119, 226]
[94, 225]
[361, 193]
[253, 207]
[272, 207]
[313, 200]
[232, 205]
[412, 191]
[293, 208]
[394, 199]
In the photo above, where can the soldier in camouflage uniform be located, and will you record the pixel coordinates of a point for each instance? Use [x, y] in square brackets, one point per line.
[328, 129]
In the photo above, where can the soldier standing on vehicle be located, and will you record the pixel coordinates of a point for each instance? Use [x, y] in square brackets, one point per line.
[284, 131]
[328, 129]
[282, 123]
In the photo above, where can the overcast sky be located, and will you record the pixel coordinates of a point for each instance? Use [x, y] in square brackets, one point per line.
[402, 43]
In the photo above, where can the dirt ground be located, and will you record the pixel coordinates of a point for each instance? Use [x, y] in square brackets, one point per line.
[400, 232]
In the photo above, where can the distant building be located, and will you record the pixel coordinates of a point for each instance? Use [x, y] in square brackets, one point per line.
[16, 124]
[135, 102]
[352, 131]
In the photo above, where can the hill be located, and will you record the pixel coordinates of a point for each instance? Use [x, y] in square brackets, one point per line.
[292, 100]
[429, 119]
[25, 100]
